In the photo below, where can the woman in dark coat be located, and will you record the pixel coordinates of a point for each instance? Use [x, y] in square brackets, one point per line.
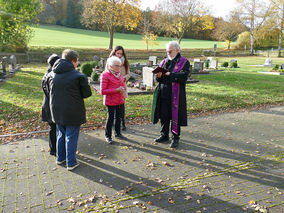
[46, 116]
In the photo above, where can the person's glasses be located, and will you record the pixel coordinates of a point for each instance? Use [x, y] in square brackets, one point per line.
[117, 65]
[169, 51]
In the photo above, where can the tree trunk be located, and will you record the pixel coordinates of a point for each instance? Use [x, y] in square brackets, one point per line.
[180, 37]
[147, 45]
[251, 43]
[280, 43]
[252, 27]
[111, 32]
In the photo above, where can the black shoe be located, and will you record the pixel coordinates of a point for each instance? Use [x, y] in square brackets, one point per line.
[123, 127]
[109, 140]
[121, 137]
[162, 139]
[174, 143]
[52, 153]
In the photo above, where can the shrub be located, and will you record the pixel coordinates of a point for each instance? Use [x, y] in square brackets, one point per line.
[225, 64]
[195, 70]
[131, 79]
[94, 64]
[206, 64]
[234, 65]
[95, 76]
[276, 67]
[243, 40]
[87, 69]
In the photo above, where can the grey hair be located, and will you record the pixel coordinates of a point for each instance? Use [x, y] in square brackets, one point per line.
[173, 44]
[112, 60]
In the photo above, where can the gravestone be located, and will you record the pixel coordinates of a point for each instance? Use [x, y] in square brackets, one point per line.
[213, 64]
[210, 58]
[149, 63]
[154, 59]
[96, 59]
[196, 60]
[13, 61]
[102, 62]
[198, 66]
[268, 62]
[148, 76]
[282, 66]
[4, 64]
[233, 60]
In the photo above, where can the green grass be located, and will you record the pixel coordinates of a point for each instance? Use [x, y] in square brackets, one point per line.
[21, 96]
[57, 36]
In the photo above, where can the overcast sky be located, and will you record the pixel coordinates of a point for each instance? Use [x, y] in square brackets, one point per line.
[218, 7]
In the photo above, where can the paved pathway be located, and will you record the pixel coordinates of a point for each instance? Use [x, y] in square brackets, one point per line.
[225, 163]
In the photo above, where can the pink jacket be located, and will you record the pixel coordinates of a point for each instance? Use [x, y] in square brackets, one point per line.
[109, 84]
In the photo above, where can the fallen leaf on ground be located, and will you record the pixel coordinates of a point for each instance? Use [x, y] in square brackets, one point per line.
[150, 164]
[71, 200]
[252, 202]
[70, 208]
[171, 200]
[188, 197]
[200, 194]
[49, 193]
[166, 163]
[91, 198]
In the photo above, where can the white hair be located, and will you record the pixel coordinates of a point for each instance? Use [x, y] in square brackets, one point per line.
[111, 61]
[173, 44]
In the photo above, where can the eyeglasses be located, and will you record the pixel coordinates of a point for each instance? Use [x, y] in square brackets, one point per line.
[117, 65]
[169, 51]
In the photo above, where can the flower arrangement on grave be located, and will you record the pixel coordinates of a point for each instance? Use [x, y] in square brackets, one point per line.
[277, 68]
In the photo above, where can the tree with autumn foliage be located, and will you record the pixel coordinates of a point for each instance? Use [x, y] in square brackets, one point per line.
[228, 31]
[278, 18]
[176, 16]
[110, 14]
[16, 17]
[150, 39]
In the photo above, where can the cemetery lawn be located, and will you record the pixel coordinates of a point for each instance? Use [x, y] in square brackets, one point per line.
[58, 36]
[231, 89]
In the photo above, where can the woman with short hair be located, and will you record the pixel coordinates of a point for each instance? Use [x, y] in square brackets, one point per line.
[113, 90]
[119, 52]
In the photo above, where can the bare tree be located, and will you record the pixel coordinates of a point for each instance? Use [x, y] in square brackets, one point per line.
[253, 13]
[176, 16]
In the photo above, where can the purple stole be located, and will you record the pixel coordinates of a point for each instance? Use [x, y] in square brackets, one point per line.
[175, 93]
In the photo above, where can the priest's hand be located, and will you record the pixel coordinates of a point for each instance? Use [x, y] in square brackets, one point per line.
[159, 74]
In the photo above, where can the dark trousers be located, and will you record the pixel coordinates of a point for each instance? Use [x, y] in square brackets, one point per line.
[52, 137]
[165, 117]
[113, 113]
[123, 114]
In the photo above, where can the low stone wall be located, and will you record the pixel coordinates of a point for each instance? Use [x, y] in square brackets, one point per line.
[88, 54]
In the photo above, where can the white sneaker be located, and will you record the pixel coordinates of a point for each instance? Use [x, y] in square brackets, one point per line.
[69, 168]
[60, 162]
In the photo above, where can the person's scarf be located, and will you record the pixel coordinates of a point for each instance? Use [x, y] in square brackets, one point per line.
[116, 74]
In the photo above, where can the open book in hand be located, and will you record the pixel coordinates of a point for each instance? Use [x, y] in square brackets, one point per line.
[160, 69]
